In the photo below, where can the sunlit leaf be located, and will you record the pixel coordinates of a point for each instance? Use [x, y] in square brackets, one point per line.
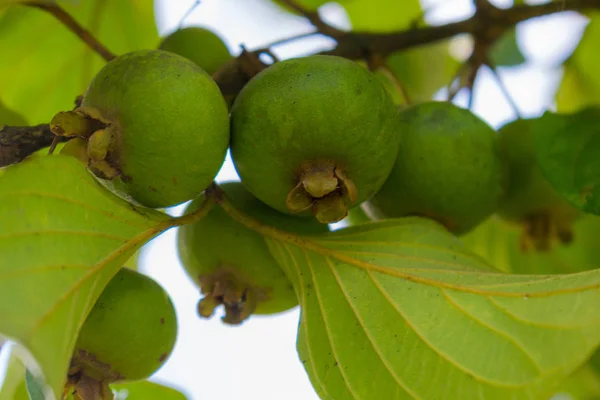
[382, 15]
[583, 384]
[50, 66]
[568, 151]
[399, 309]
[62, 238]
[505, 52]
[145, 390]
[580, 86]
[498, 242]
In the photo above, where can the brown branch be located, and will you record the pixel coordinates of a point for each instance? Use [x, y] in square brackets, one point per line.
[314, 18]
[17, 142]
[70, 22]
[486, 25]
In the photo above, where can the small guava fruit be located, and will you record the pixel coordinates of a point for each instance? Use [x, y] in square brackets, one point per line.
[157, 128]
[448, 169]
[318, 134]
[232, 265]
[202, 46]
[127, 336]
[530, 200]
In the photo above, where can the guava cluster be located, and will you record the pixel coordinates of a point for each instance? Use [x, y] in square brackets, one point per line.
[312, 139]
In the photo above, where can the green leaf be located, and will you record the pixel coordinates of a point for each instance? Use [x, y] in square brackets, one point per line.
[584, 384]
[35, 386]
[382, 15]
[390, 306]
[145, 390]
[423, 70]
[580, 86]
[505, 52]
[13, 387]
[51, 66]
[62, 237]
[310, 5]
[498, 242]
[568, 151]
[9, 117]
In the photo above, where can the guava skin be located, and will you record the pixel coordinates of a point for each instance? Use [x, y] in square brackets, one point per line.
[530, 200]
[308, 112]
[232, 264]
[199, 45]
[129, 333]
[169, 124]
[448, 168]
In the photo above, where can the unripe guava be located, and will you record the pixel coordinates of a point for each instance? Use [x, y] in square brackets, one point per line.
[316, 134]
[530, 200]
[127, 336]
[200, 45]
[448, 168]
[232, 264]
[159, 127]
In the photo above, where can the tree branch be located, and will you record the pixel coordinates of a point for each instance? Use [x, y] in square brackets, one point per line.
[17, 142]
[70, 22]
[314, 18]
[485, 26]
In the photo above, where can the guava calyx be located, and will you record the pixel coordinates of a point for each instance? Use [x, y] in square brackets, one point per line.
[74, 124]
[83, 386]
[541, 230]
[324, 188]
[227, 287]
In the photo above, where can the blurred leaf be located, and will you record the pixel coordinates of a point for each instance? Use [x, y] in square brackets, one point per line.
[584, 384]
[498, 242]
[50, 66]
[35, 386]
[505, 52]
[423, 70]
[568, 151]
[62, 238]
[6, 3]
[405, 301]
[9, 117]
[13, 387]
[146, 390]
[310, 5]
[382, 15]
[580, 86]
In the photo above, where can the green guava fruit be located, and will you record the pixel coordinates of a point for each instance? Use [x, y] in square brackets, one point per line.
[129, 333]
[448, 169]
[315, 134]
[232, 265]
[530, 200]
[200, 45]
[157, 128]
[357, 216]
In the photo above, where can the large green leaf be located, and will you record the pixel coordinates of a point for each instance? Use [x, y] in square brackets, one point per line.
[49, 66]
[499, 243]
[580, 86]
[145, 390]
[381, 15]
[399, 309]
[568, 152]
[62, 238]
[584, 384]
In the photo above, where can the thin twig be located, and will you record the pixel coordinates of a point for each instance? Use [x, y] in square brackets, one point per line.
[314, 18]
[509, 99]
[70, 22]
[290, 39]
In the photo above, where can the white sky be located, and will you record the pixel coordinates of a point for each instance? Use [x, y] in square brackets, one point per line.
[258, 360]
